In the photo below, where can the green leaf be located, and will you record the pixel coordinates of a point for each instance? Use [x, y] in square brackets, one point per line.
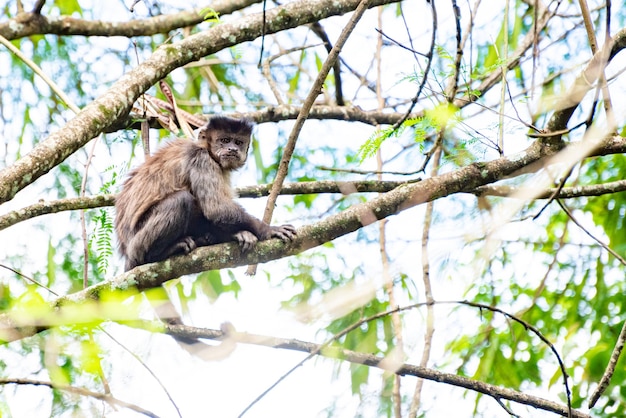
[68, 7]
[360, 375]
[209, 15]
[51, 266]
[597, 360]
[213, 285]
[444, 114]
[102, 235]
[90, 356]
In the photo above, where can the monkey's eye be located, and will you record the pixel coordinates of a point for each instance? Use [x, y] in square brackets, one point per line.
[238, 142]
[225, 140]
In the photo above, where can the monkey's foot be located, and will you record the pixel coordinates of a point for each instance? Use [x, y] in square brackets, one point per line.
[246, 240]
[184, 246]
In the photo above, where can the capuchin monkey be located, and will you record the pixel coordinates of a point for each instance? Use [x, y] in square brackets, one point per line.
[181, 198]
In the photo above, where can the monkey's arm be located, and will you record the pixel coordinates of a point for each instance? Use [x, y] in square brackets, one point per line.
[214, 196]
[231, 217]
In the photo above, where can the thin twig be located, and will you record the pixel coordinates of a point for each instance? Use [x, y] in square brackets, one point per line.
[453, 82]
[30, 279]
[318, 29]
[326, 349]
[428, 290]
[396, 321]
[83, 224]
[426, 71]
[538, 333]
[610, 368]
[38, 6]
[79, 391]
[267, 73]
[506, 408]
[145, 366]
[556, 192]
[593, 44]
[586, 231]
[53, 86]
[380, 32]
[283, 167]
[504, 70]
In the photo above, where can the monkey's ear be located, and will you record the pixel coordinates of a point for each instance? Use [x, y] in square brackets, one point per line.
[203, 135]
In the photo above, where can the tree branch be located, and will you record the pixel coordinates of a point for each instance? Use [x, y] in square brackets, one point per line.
[309, 187]
[289, 112]
[79, 391]
[565, 193]
[610, 368]
[229, 255]
[316, 89]
[310, 236]
[28, 24]
[316, 187]
[187, 332]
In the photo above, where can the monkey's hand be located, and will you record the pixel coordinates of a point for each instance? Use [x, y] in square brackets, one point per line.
[285, 232]
[246, 240]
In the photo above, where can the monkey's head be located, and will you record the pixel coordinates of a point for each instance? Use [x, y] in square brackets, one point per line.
[227, 140]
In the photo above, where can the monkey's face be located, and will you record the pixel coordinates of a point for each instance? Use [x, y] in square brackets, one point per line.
[229, 150]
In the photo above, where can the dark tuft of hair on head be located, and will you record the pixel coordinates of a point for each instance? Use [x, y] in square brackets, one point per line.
[225, 123]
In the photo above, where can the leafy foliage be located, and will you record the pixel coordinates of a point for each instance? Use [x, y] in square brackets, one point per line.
[103, 238]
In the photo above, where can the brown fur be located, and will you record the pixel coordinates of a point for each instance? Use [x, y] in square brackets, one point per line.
[181, 197]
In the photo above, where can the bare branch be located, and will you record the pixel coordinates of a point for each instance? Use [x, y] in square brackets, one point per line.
[281, 113]
[315, 187]
[593, 237]
[583, 83]
[564, 193]
[318, 29]
[371, 360]
[610, 368]
[79, 391]
[312, 187]
[28, 24]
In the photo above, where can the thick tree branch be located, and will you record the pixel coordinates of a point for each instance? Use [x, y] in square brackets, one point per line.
[229, 255]
[330, 186]
[28, 24]
[310, 236]
[318, 187]
[118, 100]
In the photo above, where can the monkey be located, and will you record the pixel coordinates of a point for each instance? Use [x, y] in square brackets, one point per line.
[181, 197]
